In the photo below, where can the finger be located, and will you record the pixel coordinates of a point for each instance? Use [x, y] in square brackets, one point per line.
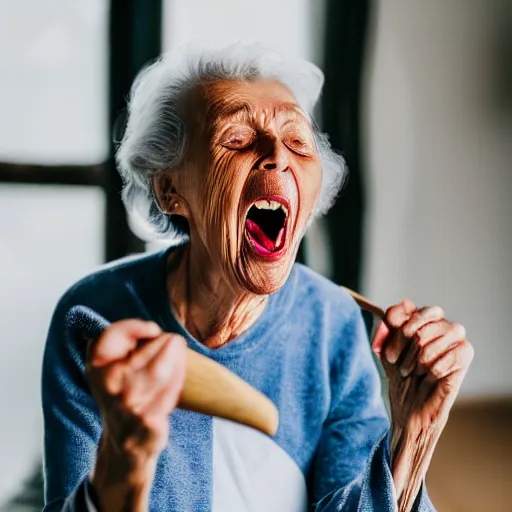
[431, 331]
[420, 318]
[122, 376]
[379, 338]
[398, 314]
[147, 350]
[436, 348]
[111, 378]
[158, 374]
[394, 346]
[427, 334]
[411, 359]
[409, 362]
[420, 369]
[455, 360]
[447, 372]
[167, 399]
[119, 339]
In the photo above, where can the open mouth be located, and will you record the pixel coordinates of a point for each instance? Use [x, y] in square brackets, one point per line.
[266, 223]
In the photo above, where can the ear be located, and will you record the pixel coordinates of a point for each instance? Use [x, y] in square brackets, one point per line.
[167, 197]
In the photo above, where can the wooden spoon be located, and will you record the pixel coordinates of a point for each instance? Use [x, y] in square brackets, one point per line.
[212, 389]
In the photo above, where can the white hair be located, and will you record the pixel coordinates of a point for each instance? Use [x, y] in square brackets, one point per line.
[154, 137]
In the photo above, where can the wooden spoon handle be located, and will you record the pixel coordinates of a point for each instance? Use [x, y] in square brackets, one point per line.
[212, 389]
[365, 303]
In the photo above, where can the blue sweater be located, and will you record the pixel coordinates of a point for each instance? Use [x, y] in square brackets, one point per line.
[308, 352]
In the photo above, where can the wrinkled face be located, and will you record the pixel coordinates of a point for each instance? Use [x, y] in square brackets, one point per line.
[253, 182]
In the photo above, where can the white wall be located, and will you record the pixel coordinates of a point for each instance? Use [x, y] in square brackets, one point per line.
[439, 141]
[287, 25]
[53, 87]
[49, 238]
[52, 110]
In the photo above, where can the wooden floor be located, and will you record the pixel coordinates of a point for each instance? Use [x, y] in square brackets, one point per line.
[472, 467]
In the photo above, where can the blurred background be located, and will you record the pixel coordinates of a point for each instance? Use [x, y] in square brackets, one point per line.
[418, 97]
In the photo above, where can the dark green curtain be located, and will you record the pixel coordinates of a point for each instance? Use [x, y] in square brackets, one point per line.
[346, 32]
[135, 39]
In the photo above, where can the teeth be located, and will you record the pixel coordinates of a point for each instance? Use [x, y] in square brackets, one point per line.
[265, 204]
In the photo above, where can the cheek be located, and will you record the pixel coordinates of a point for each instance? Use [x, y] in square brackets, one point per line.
[309, 183]
[223, 188]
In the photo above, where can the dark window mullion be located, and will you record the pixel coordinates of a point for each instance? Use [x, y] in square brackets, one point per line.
[135, 39]
[52, 174]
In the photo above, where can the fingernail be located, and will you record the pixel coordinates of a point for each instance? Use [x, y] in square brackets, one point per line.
[392, 358]
[405, 371]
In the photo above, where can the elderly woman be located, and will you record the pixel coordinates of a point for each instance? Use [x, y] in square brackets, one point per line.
[221, 156]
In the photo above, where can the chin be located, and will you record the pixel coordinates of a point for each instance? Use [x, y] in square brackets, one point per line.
[262, 274]
[267, 244]
[261, 279]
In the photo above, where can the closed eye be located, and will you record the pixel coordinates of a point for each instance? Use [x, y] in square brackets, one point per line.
[238, 138]
[298, 144]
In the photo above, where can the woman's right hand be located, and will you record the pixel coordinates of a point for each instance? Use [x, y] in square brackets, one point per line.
[136, 374]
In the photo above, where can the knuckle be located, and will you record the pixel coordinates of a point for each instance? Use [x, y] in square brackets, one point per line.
[408, 306]
[422, 336]
[396, 314]
[452, 368]
[391, 315]
[442, 367]
[424, 356]
[458, 330]
[437, 312]
[439, 370]
[469, 350]
[159, 373]
[409, 329]
[453, 365]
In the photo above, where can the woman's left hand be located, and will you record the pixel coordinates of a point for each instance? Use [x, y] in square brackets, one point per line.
[425, 358]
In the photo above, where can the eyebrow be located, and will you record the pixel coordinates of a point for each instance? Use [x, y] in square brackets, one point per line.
[238, 107]
[235, 108]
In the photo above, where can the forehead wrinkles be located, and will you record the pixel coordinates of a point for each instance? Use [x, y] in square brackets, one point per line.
[260, 116]
[226, 103]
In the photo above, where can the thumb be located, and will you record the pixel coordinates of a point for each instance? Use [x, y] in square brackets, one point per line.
[380, 337]
[119, 340]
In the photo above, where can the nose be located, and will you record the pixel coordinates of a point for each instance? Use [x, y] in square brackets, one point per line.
[274, 157]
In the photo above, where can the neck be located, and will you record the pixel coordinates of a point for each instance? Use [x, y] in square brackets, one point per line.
[212, 309]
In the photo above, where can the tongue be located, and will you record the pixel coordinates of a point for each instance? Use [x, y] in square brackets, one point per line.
[259, 236]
